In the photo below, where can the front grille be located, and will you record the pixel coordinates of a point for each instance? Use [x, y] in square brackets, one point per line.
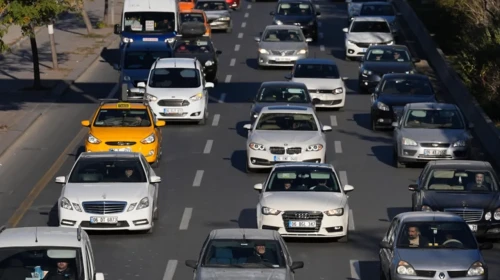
[300, 216]
[104, 207]
[367, 45]
[435, 145]
[468, 214]
[120, 143]
[293, 151]
[456, 274]
[425, 273]
[282, 53]
[326, 91]
[277, 150]
[173, 102]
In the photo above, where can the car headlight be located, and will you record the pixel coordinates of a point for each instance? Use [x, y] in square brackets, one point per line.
[92, 139]
[338, 90]
[304, 51]
[410, 72]
[426, 208]
[487, 216]
[150, 139]
[263, 51]
[144, 203]
[351, 42]
[257, 147]
[335, 212]
[126, 78]
[270, 211]
[460, 143]
[382, 107]
[127, 40]
[390, 43]
[209, 63]
[314, 148]
[496, 215]
[367, 72]
[409, 142]
[224, 19]
[66, 204]
[196, 97]
[151, 97]
[278, 22]
[405, 268]
[170, 40]
[476, 269]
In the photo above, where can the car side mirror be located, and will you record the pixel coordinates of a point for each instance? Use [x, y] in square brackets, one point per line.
[258, 187]
[61, 180]
[316, 101]
[272, 13]
[155, 179]
[117, 29]
[486, 246]
[160, 123]
[297, 265]
[257, 39]
[385, 245]
[288, 76]
[85, 123]
[218, 52]
[345, 78]
[394, 124]
[247, 126]
[416, 60]
[348, 188]
[326, 128]
[141, 85]
[309, 40]
[209, 85]
[191, 263]
[116, 67]
[413, 187]
[99, 276]
[345, 30]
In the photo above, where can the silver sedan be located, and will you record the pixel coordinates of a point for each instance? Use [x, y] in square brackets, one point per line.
[430, 131]
[281, 45]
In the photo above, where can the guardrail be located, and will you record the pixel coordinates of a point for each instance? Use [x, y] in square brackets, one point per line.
[484, 128]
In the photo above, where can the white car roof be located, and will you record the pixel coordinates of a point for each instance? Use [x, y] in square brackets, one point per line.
[287, 109]
[240, 233]
[108, 155]
[176, 63]
[376, 19]
[150, 5]
[41, 236]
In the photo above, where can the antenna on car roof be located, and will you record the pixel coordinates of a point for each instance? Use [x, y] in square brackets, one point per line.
[36, 235]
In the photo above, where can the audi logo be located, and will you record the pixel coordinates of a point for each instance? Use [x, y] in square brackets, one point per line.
[302, 215]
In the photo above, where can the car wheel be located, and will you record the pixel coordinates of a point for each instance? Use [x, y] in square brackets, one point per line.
[397, 163]
[212, 78]
[348, 58]
[230, 29]
[345, 238]
[374, 125]
[204, 119]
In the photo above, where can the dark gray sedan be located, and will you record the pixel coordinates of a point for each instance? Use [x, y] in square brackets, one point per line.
[431, 245]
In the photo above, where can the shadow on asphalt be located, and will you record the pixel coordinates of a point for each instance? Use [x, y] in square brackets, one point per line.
[383, 154]
[247, 218]
[238, 160]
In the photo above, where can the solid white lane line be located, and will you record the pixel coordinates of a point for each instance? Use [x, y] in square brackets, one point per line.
[228, 79]
[222, 98]
[170, 270]
[249, 6]
[321, 35]
[243, 24]
[186, 217]
[333, 120]
[354, 264]
[197, 178]
[247, 14]
[319, 24]
[232, 62]
[215, 122]
[338, 147]
[208, 146]
[236, 48]
[240, 35]
[343, 178]
[351, 221]
[322, 48]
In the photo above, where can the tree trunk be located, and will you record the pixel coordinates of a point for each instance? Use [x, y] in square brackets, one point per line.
[86, 18]
[37, 83]
[106, 12]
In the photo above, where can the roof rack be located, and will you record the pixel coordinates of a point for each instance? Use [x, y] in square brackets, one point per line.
[2, 228]
[135, 99]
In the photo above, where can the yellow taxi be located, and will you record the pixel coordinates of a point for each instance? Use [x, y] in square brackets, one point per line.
[127, 126]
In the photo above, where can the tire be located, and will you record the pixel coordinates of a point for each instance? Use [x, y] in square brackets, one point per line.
[204, 119]
[229, 29]
[156, 214]
[212, 78]
[374, 125]
[345, 238]
[347, 58]
[157, 163]
[397, 163]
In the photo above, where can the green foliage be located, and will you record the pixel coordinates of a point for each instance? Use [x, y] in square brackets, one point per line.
[100, 25]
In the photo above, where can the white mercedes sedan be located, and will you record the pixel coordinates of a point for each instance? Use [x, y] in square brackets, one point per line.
[304, 200]
[285, 134]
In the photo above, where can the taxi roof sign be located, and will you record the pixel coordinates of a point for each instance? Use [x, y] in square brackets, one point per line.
[123, 105]
[120, 103]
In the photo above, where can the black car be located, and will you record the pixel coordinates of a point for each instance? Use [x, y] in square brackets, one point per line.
[466, 188]
[192, 44]
[395, 91]
[298, 12]
[383, 59]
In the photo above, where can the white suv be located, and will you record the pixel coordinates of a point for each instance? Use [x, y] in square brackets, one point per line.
[177, 90]
[31, 251]
[364, 32]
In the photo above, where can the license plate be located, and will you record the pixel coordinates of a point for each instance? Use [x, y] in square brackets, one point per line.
[103, 220]
[434, 152]
[284, 158]
[283, 59]
[172, 111]
[150, 39]
[363, 50]
[121, 150]
[473, 227]
[302, 224]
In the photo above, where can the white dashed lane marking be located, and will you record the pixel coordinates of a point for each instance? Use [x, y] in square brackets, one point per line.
[322, 48]
[186, 217]
[246, 15]
[333, 120]
[228, 79]
[222, 98]
[197, 178]
[343, 178]
[215, 122]
[208, 146]
[232, 62]
[243, 24]
[170, 270]
[338, 147]
[240, 35]
[249, 6]
[236, 48]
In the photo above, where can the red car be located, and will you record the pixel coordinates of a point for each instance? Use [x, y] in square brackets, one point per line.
[233, 4]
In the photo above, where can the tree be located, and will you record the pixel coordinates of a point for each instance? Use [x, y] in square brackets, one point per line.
[80, 6]
[30, 14]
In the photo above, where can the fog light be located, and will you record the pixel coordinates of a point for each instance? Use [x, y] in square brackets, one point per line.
[152, 152]
[254, 161]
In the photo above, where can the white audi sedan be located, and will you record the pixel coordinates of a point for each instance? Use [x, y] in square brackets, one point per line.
[109, 191]
[304, 200]
[285, 134]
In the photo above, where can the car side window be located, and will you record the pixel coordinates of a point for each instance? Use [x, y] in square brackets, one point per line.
[422, 175]
[203, 248]
[146, 166]
[286, 253]
[392, 232]
[88, 261]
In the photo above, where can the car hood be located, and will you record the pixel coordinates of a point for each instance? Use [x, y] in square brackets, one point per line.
[121, 133]
[285, 46]
[211, 15]
[434, 135]
[202, 57]
[439, 259]
[137, 74]
[292, 138]
[438, 200]
[369, 37]
[209, 273]
[291, 20]
[80, 192]
[403, 99]
[320, 83]
[173, 93]
[381, 68]
[306, 201]
[257, 107]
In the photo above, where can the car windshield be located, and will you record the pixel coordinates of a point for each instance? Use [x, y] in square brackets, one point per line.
[122, 117]
[283, 35]
[270, 94]
[29, 262]
[436, 235]
[455, 180]
[106, 170]
[377, 10]
[191, 17]
[295, 9]
[144, 59]
[303, 180]
[175, 78]
[406, 86]
[370, 26]
[246, 253]
[318, 71]
[287, 121]
[430, 118]
[149, 22]
[212, 6]
[189, 46]
[388, 55]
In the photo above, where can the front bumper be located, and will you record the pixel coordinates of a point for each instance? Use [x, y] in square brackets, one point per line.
[264, 159]
[172, 109]
[133, 220]
[487, 229]
[356, 50]
[367, 83]
[396, 276]
[310, 31]
[330, 100]
[150, 151]
[220, 25]
[425, 154]
[278, 60]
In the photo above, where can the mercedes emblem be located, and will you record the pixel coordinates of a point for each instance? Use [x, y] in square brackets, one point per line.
[285, 144]
[282, 53]
[441, 275]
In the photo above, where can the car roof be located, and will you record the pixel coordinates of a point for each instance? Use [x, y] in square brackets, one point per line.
[283, 27]
[140, 45]
[388, 47]
[283, 83]
[473, 164]
[370, 18]
[316, 61]
[108, 155]
[303, 164]
[192, 11]
[40, 237]
[150, 5]
[294, 1]
[430, 105]
[287, 109]
[175, 62]
[240, 233]
[403, 75]
[423, 216]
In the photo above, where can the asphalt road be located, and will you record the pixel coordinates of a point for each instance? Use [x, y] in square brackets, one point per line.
[204, 183]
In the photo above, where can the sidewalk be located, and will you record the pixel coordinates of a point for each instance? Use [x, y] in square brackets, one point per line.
[20, 106]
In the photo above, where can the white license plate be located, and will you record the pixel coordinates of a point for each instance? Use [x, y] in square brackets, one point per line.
[103, 220]
[363, 50]
[284, 158]
[283, 59]
[302, 224]
[121, 150]
[150, 39]
[473, 227]
[172, 111]
[434, 152]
